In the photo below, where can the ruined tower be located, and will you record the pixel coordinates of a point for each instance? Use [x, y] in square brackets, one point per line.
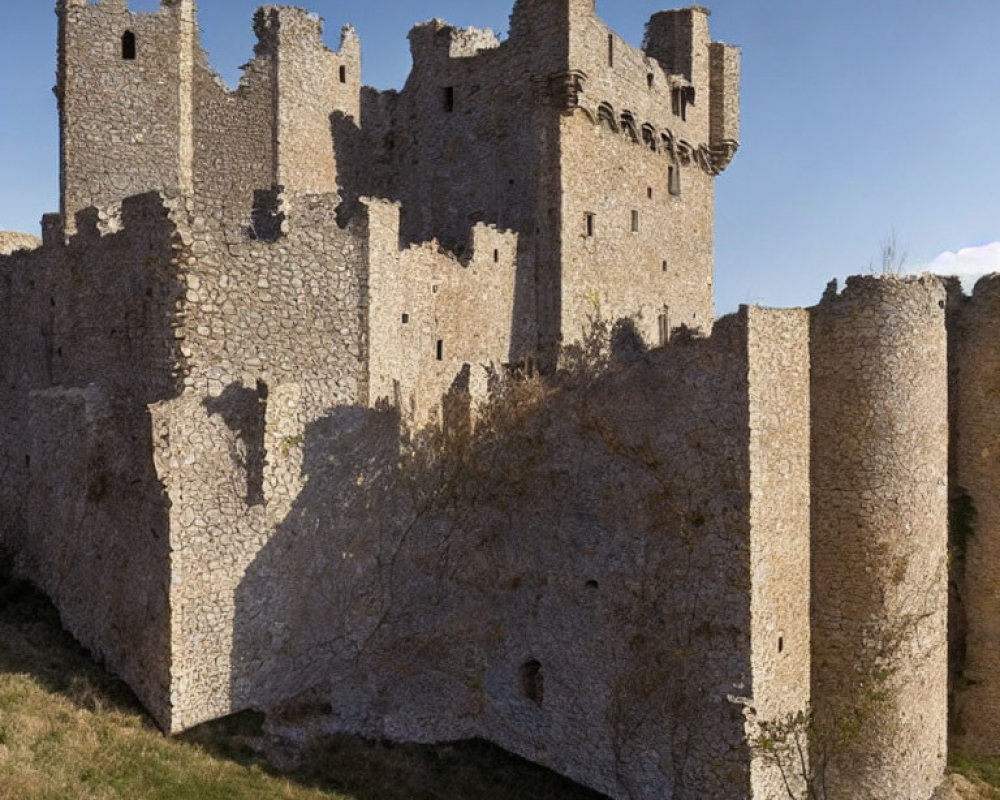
[124, 88]
[140, 109]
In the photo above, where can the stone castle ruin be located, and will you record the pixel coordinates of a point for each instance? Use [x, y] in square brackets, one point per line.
[242, 451]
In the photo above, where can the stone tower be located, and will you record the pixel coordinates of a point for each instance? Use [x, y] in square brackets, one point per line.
[129, 85]
[124, 87]
[879, 538]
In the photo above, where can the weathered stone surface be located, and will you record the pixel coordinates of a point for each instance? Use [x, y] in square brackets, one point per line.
[11, 242]
[250, 447]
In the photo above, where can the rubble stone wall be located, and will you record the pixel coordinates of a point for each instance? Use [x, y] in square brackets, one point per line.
[89, 333]
[778, 354]
[976, 518]
[612, 517]
[121, 117]
[11, 242]
[417, 342]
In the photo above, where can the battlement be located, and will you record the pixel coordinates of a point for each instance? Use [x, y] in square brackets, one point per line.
[436, 41]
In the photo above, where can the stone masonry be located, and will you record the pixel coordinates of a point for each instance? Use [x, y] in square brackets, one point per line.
[406, 414]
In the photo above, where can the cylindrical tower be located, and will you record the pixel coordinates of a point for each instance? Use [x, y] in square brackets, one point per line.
[879, 538]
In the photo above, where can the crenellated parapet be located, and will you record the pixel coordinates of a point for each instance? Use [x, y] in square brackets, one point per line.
[416, 343]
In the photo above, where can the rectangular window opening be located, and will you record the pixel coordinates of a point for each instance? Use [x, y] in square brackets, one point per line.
[664, 325]
[649, 192]
[406, 319]
[343, 74]
[496, 256]
[611, 50]
[128, 46]
[440, 350]
[664, 265]
[674, 179]
[679, 99]
[449, 99]
[589, 220]
[635, 222]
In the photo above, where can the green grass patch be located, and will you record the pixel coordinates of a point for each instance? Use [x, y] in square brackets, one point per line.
[986, 770]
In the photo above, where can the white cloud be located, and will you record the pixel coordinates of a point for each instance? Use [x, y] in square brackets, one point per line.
[969, 263]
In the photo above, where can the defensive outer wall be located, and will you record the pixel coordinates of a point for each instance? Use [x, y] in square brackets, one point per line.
[249, 452]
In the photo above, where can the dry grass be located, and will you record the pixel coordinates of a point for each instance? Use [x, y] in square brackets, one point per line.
[68, 731]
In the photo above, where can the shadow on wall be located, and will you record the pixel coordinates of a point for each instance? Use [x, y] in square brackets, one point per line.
[244, 411]
[507, 187]
[97, 542]
[428, 589]
[89, 340]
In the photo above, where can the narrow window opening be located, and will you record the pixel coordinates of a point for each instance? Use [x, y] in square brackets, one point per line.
[649, 192]
[406, 319]
[343, 74]
[611, 50]
[781, 644]
[52, 302]
[635, 221]
[128, 46]
[449, 99]
[674, 180]
[27, 461]
[434, 288]
[589, 220]
[649, 80]
[440, 350]
[532, 682]
[664, 324]
[679, 102]
[496, 256]
[664, 265]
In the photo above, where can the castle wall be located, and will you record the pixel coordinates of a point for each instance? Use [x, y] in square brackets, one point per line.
[252, 306]
[234, 141]
[88, 337]
[469, 140]
[605, 524]
[724, 119]
[117, 111]
[311, 84]
[273, 338]
[11, 242]
[778, 355]
[417, 341]
[975, 517]
[879, 537]
[95, 537]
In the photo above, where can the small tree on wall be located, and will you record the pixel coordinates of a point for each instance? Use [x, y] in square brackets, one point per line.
[892, 257]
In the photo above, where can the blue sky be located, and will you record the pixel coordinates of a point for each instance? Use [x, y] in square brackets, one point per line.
[860, 118]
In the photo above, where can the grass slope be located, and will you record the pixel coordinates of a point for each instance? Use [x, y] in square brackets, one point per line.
[69, 731]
